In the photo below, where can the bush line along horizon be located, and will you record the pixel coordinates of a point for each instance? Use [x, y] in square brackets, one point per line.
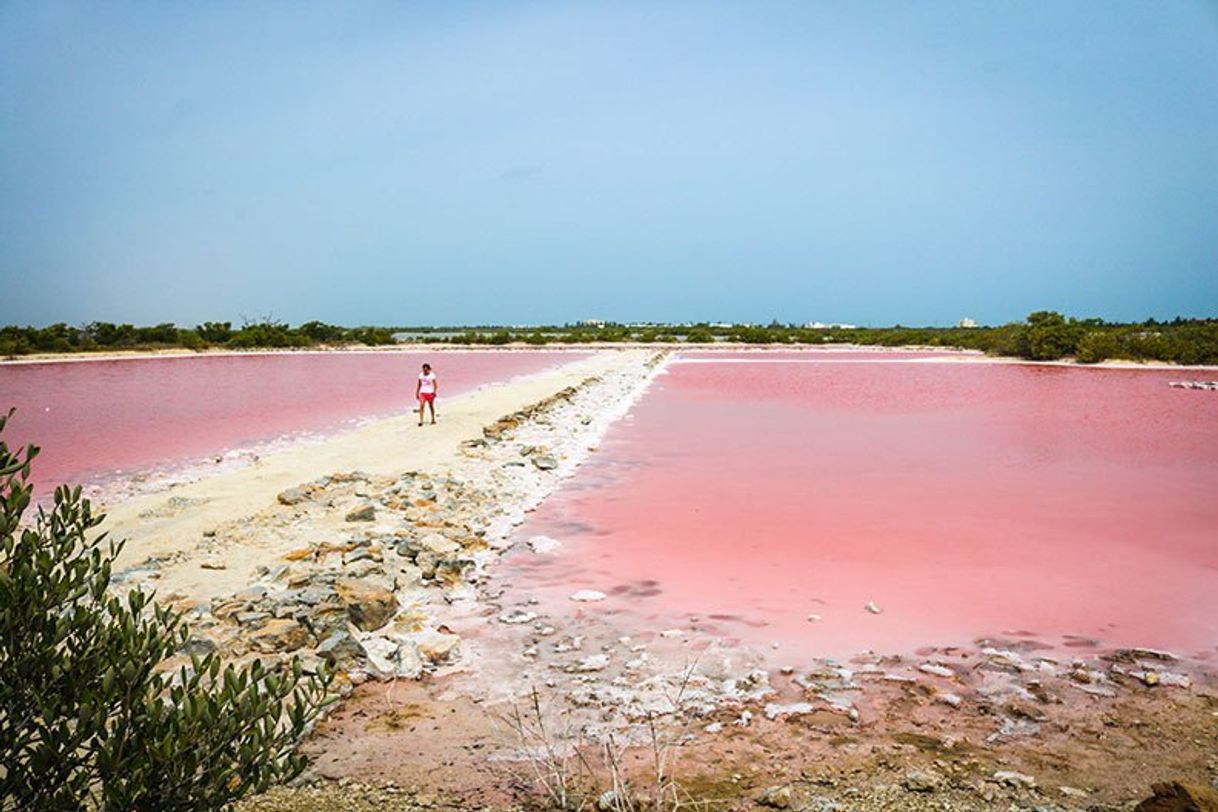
[1042, 336]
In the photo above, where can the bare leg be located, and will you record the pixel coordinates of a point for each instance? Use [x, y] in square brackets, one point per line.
[431, 404]
[421, 402]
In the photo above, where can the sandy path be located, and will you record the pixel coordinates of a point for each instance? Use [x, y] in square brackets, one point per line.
[173, 522]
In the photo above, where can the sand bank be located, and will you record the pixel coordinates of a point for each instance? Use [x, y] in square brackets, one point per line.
[170, 525]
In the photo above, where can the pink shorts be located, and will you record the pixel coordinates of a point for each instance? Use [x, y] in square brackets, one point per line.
[427, 397]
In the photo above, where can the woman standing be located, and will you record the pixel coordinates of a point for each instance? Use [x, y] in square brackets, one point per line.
[425, 392]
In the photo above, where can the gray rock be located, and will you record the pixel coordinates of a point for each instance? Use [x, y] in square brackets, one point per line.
[545, 462]
[341, 649]
[1014, 779]
[363, 568]
[365, 513]
[779, 797]
[358, 554]
[293, 496]
[922, 781]
[251, 618]
[198, 646]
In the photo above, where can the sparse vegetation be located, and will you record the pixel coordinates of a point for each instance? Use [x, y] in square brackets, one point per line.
[1042, 336]
[571, 773]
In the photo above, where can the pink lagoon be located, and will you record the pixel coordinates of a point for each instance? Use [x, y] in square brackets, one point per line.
[95, 419]
[828, 503]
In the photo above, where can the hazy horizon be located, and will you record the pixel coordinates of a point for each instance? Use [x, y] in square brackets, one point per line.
[522, 163]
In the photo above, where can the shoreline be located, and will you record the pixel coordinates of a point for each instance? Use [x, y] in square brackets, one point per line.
[372, 553]
[962, 355]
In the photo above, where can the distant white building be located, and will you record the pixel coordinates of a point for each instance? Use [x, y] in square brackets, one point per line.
[592, 323]
[966, 322]
[820, 325]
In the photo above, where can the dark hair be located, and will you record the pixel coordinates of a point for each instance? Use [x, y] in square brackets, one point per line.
[427, 366]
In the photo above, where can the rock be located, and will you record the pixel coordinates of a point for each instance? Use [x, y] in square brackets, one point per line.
[365, 513]
[588, 596]
[1014, 779]
[1179, 797]
[779, 797]
[517, 616]
[388, 659]
[775, 709]
[595, 662]
[950, 699]
[922, 781]
[438, 647]
[1154, 654]
[1175, 680]
[936, 670]
[429, 551]
[439, 543]
[545, 462]
[872, 608]
[251, 618]
[369, 604]
[198, 646]
[363, 568]
[453, 572]
[213, 562]
[544, 545]
[293, 496]
[360, 554]
[341, 650]
[278, 634]
[275, 573]
[611, 800]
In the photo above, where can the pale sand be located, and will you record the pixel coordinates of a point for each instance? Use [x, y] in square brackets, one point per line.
[385, 448]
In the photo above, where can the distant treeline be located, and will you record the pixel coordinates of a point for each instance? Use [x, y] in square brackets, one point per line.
[100, 335]
[1042, 336]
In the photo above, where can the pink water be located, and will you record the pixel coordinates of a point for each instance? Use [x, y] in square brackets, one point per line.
[95, 418]
[964, 499]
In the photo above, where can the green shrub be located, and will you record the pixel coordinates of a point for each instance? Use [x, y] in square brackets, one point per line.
[215, 332]
[1096, 346]
[91, 716]
[190, 340]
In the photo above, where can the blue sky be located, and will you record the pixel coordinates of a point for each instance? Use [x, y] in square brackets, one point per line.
[509, 162]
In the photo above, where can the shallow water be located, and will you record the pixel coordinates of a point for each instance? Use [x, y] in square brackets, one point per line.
[93, 419]
[963, 499]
